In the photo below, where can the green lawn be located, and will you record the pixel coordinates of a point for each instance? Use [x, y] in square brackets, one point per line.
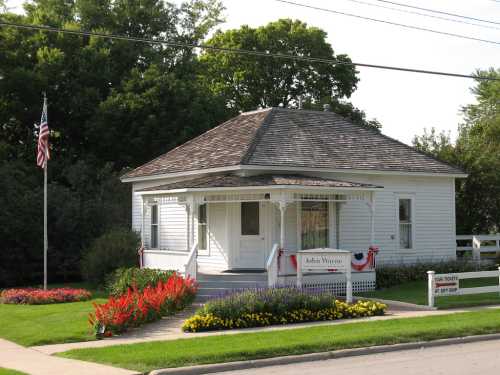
[6, 371]
[416, 292]
[47, 324]
[216, 349]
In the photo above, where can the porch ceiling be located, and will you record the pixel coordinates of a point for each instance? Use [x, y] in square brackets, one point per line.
[225, 181]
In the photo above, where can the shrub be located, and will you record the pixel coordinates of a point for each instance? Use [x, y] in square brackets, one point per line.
[30, 296]
[392, 275]
[116, 248]
[138, 307]
[263, 307]
[122, 279]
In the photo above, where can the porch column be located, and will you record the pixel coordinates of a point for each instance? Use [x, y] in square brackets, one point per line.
[372, 218]
[143, 216]
[282, 207]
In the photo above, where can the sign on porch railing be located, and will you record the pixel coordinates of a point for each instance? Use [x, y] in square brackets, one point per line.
[328, 260]
[448, 284]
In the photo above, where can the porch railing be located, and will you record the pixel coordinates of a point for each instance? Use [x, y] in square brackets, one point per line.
[272, 266]
[191, 266]
[478, 244]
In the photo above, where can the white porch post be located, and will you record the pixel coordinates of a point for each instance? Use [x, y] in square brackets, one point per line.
[143, 218]
[372, 218]
[282, 207]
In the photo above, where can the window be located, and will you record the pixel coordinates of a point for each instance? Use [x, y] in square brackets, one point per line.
[314, 223]
[202, 227]
[250, 219]
[154, 227]
[405, 223]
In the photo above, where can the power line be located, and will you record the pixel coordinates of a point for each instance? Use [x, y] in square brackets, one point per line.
[438, 11]
[237, 50]
[389, 22]
[425, 14]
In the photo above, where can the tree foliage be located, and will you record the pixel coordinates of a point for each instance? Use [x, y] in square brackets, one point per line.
[477, 152]
[247, 82]
[114, 104]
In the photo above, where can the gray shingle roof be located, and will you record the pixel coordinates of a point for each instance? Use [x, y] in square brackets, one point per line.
[293, 138]
[228, 180]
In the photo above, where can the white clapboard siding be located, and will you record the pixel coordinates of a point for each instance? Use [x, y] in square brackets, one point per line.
[173, 227]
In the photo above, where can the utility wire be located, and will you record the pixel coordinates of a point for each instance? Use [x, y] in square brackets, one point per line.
[438, 11]
[237, 50]
[425, 14]
[388, 22]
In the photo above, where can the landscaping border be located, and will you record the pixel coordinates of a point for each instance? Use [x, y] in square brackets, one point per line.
[343, 353]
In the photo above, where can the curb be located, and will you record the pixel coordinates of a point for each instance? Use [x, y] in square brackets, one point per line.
[344, 353]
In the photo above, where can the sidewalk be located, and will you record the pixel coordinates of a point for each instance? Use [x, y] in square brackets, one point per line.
[33, 362]
[170, 328]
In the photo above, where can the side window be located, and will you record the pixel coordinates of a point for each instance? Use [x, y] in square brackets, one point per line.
[202, 227]
[405, 223]
[250, 219]
[154, 227]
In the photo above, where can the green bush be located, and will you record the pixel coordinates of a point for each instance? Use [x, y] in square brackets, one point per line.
[114, 249]
[391, 275]
[119, 281]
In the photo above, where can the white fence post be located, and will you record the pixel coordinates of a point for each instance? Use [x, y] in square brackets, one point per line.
[499, 279]
[430, 287]
[348, 284]
[299, 270]
[476, 248]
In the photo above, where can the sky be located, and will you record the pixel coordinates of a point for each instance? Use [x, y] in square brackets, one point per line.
[405, 103]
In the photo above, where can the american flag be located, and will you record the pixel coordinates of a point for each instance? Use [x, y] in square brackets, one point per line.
[43, 138]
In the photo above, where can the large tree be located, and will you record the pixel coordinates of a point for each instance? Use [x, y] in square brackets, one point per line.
[112, 104]
[477, 151]
[247, 82]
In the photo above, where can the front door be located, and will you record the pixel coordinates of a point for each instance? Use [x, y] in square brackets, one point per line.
[252, 241]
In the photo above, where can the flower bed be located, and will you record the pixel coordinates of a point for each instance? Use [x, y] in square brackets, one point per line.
[138, 307]
[264, 307]
[31, 296]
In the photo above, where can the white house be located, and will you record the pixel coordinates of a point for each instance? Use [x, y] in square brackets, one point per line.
[291, 179]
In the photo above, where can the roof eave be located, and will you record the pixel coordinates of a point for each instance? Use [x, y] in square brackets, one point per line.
[266, 187]
[287, 169]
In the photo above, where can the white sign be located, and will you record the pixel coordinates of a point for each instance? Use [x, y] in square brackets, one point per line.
[446, 285]
[325, 261]
[332, 260]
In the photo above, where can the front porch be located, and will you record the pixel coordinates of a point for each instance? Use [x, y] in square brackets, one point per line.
[255, 224]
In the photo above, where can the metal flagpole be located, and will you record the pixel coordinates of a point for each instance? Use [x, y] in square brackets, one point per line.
[45, 239]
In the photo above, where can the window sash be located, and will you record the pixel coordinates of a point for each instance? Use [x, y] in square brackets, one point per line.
[153, 242]
[202, 227]
[250, 218]
[405, 218]
[314, 225]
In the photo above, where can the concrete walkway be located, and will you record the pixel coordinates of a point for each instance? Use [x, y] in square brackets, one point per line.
[33, 362]
[170, 328]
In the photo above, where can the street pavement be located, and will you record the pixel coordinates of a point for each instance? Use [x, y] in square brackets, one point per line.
[481, 358]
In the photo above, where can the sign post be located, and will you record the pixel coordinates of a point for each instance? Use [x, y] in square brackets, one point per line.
[329, 260]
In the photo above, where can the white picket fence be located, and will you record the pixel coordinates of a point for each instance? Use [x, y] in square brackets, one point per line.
[481, 244]
[448, 284]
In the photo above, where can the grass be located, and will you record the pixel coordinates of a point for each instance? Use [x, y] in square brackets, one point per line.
[6, 371]
[47, 324]
[225, 348]
[416, 292]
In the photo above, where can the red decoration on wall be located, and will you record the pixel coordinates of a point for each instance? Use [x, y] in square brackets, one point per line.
[369, 260]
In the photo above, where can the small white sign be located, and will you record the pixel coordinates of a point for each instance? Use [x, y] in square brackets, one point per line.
[325, 261]
[446, 285]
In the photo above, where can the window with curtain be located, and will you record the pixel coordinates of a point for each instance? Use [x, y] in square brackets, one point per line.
[314, 221]
[250, 225]
[202, 227]
[405, 224]
[154, 227]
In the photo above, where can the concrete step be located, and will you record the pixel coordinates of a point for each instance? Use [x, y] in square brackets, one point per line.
[232, 277]
[233, 284]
